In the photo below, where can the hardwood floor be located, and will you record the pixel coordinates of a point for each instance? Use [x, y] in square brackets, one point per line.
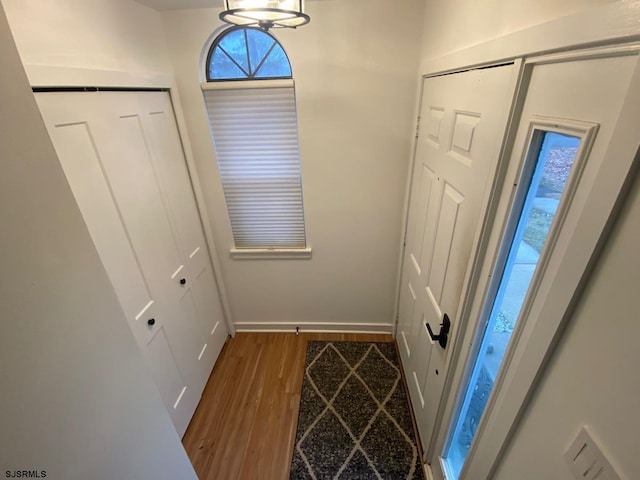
[245, 425]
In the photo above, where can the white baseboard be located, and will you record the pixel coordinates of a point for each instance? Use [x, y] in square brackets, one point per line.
[315, 327]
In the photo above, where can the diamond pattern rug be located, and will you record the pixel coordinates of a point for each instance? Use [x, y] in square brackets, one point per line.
[354, 421]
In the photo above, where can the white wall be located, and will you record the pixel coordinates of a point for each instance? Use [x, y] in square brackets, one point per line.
[356, 77]
[77, 400]
[121, 38]
[451, 26]
[593, 378]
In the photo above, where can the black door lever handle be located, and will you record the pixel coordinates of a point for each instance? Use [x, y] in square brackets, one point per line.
[442, 337]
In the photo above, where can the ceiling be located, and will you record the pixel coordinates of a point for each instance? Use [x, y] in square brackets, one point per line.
[182, 4]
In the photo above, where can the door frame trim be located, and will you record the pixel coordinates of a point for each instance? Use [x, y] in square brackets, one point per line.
[528, 360]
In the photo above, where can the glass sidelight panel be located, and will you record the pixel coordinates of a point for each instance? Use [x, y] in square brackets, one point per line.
[554, 155]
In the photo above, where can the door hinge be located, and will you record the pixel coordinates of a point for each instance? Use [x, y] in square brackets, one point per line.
[418, 127]
[404, 239]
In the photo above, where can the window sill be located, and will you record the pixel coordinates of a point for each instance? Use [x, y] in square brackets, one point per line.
[270, 253]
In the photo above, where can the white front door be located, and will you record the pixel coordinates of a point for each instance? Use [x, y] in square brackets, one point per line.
[462, 121]
[541, 247]
[149, 240]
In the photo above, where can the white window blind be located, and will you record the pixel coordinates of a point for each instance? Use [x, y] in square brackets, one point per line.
[255, 132]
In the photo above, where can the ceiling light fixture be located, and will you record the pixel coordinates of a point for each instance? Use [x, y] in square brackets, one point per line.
[265, 14]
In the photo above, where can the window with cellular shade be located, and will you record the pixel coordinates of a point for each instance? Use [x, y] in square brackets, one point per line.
[255, 134]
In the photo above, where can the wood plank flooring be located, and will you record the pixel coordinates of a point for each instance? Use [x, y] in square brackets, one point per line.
[245, 425]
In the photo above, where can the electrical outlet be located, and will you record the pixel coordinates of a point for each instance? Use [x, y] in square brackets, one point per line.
[587, 461]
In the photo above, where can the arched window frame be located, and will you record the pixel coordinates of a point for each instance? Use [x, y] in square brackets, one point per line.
[250, 77]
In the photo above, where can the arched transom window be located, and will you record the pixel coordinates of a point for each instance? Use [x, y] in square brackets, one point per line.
[246, 53]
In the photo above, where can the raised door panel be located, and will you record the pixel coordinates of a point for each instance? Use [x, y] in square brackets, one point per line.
[425, 186]
[405, 319]
[165, 372]
[442, 251]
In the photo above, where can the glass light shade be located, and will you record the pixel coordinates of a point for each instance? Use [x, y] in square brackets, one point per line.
[265, 13]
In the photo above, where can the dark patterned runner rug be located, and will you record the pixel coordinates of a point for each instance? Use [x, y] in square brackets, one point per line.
[354, 421]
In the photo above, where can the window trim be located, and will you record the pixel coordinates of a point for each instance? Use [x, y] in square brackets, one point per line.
[270, 253]
[239, 85]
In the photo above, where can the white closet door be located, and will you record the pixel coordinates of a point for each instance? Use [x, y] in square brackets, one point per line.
[108, 157]
[166, 150]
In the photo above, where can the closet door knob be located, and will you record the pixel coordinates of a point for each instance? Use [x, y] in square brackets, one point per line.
[183, 281]
[151, 322]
